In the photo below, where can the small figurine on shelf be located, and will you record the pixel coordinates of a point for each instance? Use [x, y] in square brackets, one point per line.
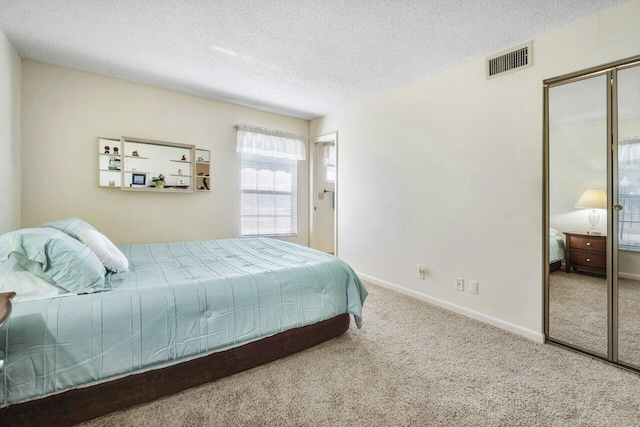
[135, 153]
[179, 171]
[200, 160]
[106, 149]
[115, 150]
[184, 158]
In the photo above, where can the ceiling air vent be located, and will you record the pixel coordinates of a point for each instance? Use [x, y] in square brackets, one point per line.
[510, 60]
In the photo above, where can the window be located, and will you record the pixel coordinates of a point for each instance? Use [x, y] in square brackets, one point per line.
[269, 196]
[269, 179]
[330, 161]
[629, 193]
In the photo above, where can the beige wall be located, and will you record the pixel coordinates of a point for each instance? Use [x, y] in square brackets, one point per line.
[447, 172]
[10, 175]
[65, 111]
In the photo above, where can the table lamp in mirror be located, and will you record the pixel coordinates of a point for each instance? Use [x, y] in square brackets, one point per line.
[593, 199]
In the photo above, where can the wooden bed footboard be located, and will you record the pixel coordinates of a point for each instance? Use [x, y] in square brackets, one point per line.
[82, 404]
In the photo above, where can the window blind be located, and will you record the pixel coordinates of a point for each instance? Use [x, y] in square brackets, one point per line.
[330, 161]
[269, 196]
[629, 193]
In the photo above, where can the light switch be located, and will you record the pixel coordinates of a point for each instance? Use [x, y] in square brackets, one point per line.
[473, 287]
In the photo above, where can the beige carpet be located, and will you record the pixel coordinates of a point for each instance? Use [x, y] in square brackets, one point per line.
[578, 309]
[578, 313]
[411, 364]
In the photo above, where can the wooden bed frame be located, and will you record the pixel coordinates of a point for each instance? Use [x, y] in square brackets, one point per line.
[82, 404]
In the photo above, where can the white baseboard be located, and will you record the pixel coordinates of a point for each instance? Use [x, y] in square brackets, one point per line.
[519, 330]
[629, 276]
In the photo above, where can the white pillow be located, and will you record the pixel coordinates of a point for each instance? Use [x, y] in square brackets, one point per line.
[112, 258]
[553, 232]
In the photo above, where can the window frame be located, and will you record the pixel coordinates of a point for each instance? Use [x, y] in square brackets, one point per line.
[258, 162]
[628, 166]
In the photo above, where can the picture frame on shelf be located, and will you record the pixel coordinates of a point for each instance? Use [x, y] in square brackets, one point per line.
[114, 163]
[139, 179]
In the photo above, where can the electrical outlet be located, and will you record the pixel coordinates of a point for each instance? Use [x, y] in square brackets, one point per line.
[459, 284]
[421, 272]
[473, 287]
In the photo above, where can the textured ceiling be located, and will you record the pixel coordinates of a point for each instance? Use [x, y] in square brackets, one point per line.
[304, 58]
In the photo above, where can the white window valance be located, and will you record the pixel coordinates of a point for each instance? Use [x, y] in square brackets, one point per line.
[270, 142]
[629, 151]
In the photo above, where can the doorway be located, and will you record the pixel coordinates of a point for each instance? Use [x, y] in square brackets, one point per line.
[592, 212]
[324, 187]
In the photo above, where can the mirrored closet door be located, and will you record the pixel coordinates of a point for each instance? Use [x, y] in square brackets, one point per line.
[577, 175]
[628, 217]
[592, 212]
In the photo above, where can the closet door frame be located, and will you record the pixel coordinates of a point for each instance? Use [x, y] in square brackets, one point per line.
[548, 84]
[610, 70]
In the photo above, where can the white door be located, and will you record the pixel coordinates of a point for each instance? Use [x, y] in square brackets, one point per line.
[325, 185]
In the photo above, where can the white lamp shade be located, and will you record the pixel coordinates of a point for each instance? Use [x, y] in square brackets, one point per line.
[592, 199]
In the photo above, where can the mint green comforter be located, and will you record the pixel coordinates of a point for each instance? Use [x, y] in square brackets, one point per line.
[556, 248]
[178, 301]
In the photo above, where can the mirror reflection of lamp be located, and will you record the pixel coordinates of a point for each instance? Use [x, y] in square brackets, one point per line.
[593, 199]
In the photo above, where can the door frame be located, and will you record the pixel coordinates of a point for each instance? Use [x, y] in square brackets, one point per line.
[313, 238]
[610, 71]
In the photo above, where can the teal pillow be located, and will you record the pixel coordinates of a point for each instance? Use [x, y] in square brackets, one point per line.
[70, 226]
[55, 257]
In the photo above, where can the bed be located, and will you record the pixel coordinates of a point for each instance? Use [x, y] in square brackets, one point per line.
[184, 313]
[556, 250]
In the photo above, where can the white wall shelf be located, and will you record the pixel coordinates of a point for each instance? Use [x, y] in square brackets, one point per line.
[203, 161]
[109, 178]
[158, 158]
